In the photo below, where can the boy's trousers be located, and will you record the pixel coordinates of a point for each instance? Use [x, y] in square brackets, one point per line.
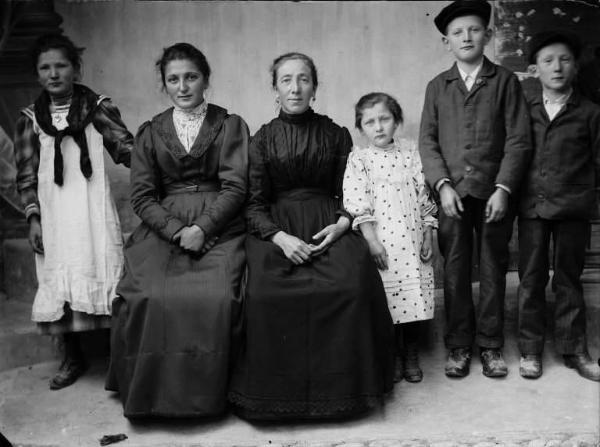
[570, 239]
[466, 322]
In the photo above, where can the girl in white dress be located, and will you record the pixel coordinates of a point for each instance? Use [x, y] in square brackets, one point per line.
[74, 228]
[386, 194]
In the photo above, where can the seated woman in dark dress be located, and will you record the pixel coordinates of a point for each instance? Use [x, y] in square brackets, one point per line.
[179, 298]
[319, 336]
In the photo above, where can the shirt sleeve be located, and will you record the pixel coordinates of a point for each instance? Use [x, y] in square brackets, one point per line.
[145, 187]
[434, 165]
[517, 146]
[345, 146]
[427, 207]
[27, 150]
[260, 194]
[233, 176]
[358, 198]
[117, 140]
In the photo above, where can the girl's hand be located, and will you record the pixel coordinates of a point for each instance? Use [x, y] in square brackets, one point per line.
[496, 206]
[35, 235]
[450, 201]
[330, 234]
[191, 238]
[296, 250]
[427, 245]
[379, 254]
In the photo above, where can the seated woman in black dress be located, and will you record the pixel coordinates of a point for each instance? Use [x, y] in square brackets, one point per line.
[180, 294]
[319, 336]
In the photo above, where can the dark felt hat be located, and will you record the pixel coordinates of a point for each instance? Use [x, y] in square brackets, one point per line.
[545, 38]
[461, 8]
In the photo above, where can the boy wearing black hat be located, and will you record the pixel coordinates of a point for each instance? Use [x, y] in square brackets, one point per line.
[558, 199]
[475, 144]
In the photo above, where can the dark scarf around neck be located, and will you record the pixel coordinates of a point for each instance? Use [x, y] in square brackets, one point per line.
[81, 113]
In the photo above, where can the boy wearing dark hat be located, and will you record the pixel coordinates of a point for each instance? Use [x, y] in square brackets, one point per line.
[558, 199]
[475, 145]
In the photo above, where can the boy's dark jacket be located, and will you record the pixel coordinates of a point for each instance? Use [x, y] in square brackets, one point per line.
[565, 170]
[477, 139]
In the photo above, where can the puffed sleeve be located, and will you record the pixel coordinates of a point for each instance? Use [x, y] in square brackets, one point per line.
[358, 197]
[233, 175]
[145, 186]
[427, 206]
[344, 148]
[258, 211]
[27, 150]
[117, 140]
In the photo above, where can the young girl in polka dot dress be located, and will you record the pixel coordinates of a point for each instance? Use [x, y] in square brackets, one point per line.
[385, 192]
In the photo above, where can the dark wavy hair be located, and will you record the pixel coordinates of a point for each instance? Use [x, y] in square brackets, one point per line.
[56, 42]
[181, 51]
[370, 99]
[292, 56]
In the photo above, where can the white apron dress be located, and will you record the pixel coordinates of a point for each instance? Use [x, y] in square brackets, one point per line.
[81, 233]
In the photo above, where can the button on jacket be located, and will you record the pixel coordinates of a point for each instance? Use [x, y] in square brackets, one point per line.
[477, 138]
[561, 181]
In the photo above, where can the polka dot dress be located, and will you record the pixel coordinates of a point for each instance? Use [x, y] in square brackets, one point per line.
[387, 187]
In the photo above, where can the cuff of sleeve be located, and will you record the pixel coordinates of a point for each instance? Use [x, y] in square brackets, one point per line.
[440, 182]
[504, 187]
[31, 210]
[270, 232]
[172, 227]
[362, 219]
[430, 221]
[345, 214]
[206, 225]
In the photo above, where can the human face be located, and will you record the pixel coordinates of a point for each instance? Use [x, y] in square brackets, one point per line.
[294, 86]
[556, 67]
[56, 73]
[466, 37]
[378, 125]
[185, 84]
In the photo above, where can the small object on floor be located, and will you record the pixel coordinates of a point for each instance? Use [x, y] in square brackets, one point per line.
[111, 439]
[458, 362]
[493, 363]
[530, 366]
[67, 374]
[584, 365]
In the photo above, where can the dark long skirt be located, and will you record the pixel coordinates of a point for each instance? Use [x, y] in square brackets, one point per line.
[174, 325]
[318, 337]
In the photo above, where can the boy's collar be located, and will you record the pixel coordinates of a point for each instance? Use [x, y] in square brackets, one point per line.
[487, 69]
[574, 98]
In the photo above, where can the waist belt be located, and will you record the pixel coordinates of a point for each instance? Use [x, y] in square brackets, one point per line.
[181, 188]
[302, 193]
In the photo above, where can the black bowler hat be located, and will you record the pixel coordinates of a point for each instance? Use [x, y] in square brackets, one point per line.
[459, 8]
[545, 38]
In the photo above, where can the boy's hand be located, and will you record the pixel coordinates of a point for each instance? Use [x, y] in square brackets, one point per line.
[379, 254]
[427, 245]
[450, 200]
[496, 206]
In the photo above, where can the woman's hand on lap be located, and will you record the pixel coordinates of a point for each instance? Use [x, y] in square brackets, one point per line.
[191, 238]
[295, 249]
